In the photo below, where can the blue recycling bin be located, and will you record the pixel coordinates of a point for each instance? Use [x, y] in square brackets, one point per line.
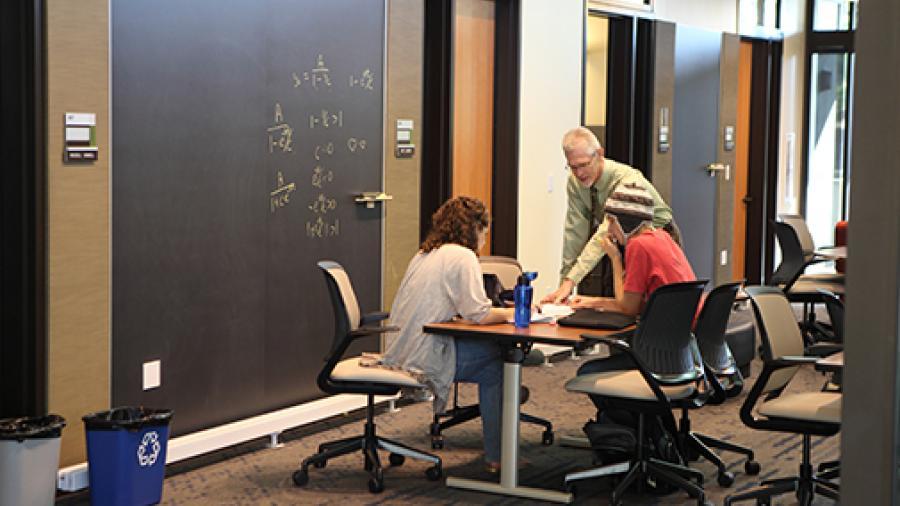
[127, 455]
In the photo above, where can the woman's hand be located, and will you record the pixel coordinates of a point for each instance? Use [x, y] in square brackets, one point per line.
[582, 301]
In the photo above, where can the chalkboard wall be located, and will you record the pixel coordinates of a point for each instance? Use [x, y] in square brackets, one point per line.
[241, 131]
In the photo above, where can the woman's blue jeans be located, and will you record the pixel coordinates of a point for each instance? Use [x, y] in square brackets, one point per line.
[480, 361]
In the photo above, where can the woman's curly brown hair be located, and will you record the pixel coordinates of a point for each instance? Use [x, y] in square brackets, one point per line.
[457, 221]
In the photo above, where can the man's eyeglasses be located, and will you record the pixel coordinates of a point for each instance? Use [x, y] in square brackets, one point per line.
[577, 167]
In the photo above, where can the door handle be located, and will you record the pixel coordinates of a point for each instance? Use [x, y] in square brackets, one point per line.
[370, 198]
[712, 168]
[747, 200]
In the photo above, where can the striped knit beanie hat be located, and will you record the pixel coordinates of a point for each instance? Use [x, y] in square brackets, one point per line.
[631, 204]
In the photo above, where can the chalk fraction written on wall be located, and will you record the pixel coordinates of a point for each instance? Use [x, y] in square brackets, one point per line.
[316, 166]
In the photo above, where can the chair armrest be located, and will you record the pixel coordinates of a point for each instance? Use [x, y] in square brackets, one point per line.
[790, 360]
[617, 339]
[648, 376]
[819, 350]
[372, 331]
[374, 317]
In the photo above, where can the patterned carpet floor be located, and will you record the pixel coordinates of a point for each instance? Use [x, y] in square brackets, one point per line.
[253, 474]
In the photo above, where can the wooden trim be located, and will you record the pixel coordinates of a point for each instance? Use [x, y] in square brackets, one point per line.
[473, 102]
[741, 169]
[505, 184]
[436, 182]
[23, 189]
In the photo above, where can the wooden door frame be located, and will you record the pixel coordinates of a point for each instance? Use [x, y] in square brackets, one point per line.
[437, 128]
[23, 224]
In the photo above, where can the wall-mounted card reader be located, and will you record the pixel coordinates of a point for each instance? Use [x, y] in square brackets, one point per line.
[405, 147]
[663, 133]
[729, 138]
[80, 136]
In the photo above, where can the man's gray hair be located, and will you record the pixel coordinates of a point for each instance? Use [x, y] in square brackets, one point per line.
[578, 137]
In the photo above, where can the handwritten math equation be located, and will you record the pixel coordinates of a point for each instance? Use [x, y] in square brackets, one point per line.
[318, 78]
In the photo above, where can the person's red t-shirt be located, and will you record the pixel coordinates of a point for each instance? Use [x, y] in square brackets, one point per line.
[653, 259]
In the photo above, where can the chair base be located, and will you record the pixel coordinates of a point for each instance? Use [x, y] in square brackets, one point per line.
[640, 469]
[700, 445]
[462, 414]
[805, 489]
[805, 486]
[703, 444]
[369, 444]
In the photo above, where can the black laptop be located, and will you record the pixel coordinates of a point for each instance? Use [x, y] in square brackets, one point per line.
[593, 319]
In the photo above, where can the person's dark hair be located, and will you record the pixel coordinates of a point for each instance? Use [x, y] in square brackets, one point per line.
[457, 221]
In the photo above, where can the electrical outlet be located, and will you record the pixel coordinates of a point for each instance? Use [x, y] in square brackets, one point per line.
[152, 374]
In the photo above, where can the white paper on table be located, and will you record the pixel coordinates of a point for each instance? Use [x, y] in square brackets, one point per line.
[549, 313]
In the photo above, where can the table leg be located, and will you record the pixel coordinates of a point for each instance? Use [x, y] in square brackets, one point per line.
[509, 447]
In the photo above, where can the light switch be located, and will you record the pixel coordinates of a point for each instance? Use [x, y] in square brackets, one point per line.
[152, 377]
[404, 136]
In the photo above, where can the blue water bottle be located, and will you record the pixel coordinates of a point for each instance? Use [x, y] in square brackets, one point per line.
[522, 295]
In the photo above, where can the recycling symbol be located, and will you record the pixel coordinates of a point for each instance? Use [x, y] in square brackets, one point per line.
[148, 450]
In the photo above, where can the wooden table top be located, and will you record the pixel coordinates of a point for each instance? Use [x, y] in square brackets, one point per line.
[546, 333]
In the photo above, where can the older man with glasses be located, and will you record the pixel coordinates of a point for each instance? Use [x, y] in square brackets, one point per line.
[592, 179]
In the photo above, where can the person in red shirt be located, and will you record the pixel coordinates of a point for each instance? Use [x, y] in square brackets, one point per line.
[652, 259]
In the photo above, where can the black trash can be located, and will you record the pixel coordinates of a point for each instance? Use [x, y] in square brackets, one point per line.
[29, 459]
[127, 455]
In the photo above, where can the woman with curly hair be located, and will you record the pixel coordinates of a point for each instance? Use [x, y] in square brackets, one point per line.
[443, 281]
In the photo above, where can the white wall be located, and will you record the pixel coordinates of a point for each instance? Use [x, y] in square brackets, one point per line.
[793, 68]
[721, 15]
[550, 103]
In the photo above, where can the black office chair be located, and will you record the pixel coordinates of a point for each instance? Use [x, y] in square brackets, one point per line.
[347, 376]
[768, 408]
[668, 375]
[506, 270]
[833, 331]
[808, 247]
[798, 286]
[723, 375]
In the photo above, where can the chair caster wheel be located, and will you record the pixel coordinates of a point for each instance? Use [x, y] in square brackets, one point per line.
[547, 438]
[752, 467]
[396, 459]
[320, 464]
[726, 479]
[434, 473]
[437, 443]
[376, 486]
[301, 477]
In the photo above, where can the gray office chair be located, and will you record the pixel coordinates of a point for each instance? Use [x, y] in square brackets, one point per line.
[668, 375]
[347, 376]
[768, 408]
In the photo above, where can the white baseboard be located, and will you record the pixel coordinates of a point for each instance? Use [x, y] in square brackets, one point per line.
[75, 477]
